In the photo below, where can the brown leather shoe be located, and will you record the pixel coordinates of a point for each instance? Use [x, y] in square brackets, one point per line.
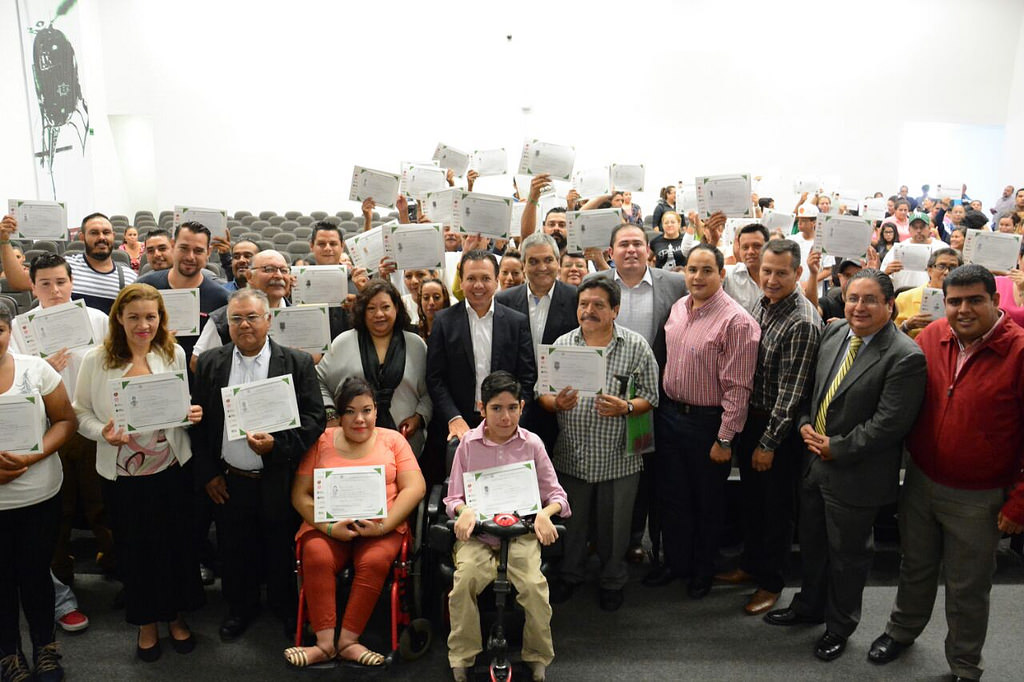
[636, 554]
[737, 576]
[760, 602]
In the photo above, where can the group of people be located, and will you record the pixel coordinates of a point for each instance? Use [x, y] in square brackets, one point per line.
[747, 358]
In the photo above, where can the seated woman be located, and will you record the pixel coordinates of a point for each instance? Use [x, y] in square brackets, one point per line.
[149, 480]
[30, 514]
[370, 545]
[393, 362]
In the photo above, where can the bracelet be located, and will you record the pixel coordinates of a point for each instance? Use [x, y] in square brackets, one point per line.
[330, 529]
[535, 203]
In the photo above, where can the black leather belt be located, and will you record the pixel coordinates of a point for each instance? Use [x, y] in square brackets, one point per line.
[685, 408]
[235, 471]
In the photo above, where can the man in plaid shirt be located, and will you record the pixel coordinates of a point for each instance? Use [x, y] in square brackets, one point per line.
[769, 448]
[590, 453]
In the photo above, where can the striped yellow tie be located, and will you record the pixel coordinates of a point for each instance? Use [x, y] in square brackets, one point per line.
[851, 353]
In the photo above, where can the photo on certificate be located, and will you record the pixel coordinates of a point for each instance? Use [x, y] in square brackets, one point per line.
[485, 214]
[729, 194]
[380, 186]
[585, 229]
[366, 249]
[22, 419]
[846, 236]
[358, 493]
[182, 306]
[213, 219]
[506, 489]
[47, 330]
[490, 162]
[415, 246]
[453, 159]
[302, 327]
[584, 368]
[538, 157]
[39, 219]
[996, 251]
[150, 402]
[320, 284]
[627, 177]
[264, 406]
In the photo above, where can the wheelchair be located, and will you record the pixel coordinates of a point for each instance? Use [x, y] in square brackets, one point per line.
[396, 626]
[500, 614]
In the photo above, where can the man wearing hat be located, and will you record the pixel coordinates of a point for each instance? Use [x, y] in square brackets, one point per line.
[832, 305]
[806, 220]
[893, 265]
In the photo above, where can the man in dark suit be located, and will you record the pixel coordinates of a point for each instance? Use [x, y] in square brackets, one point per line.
[648, 295]
[471, 340]
[869, 382]
[250, 480]
[550, 306]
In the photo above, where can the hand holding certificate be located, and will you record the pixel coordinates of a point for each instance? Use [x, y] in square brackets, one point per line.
[380, 186]
[47, 330]
[583, 368]
[39, 219]
[729, 194]
[302, 327]
[996, 251]
[265, 406]
[356, 493]
[510, 488]
[22, 416]
[320, 284]
[543, 157]
[843, 235]
[452, 159]
[585, 229]
[933, 303]
[414, 246]
[213, 219]
[150, 402]
[182, 306]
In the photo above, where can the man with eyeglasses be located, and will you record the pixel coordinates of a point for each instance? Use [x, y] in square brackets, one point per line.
[268, 273]
[868, 386]
[920, 234]
[909, 317]
[249, 481]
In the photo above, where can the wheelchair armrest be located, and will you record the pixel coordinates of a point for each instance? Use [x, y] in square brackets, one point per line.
[442, 540]
[434, 506]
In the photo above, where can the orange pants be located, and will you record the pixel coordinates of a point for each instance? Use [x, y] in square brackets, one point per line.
[323, 557]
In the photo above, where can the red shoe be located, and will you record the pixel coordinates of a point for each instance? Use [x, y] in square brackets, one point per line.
[74, 621]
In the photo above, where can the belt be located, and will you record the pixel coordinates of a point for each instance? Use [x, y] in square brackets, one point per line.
[235, 471]
[756, 412]
[685, 408]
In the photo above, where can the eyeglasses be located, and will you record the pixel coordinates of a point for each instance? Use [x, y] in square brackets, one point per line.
[945, 267]
[869, 301]
[273, 270]
[237, 320]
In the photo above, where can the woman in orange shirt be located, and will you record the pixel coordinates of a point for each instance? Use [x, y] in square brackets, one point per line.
[371, 545]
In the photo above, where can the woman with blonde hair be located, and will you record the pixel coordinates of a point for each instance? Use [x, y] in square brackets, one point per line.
[148, 477]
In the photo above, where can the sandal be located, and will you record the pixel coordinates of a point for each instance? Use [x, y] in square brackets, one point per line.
[297, 657]
[367, 659]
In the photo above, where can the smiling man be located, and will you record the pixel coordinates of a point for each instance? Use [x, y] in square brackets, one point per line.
[159, 246]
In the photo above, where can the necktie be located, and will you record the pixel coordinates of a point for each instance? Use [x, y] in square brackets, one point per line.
[851, 353]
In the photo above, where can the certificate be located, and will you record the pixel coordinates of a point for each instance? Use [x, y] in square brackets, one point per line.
[591, 182]
[213, 219]
[440, 206]
[996, 251]
[523, 183]
[686, 200]
[729, 232]
[915, 256]
[951, 191]
[582, 367]
[486, 214]
[150, 402]
[418, 179]
[627, 178]
[47, 330]
[265, 406]
[366, 249]
[302, 327]
[452, 159]
[356, 493]
[415, 246]
[777, 220]
[515, 228]
[873, 209]
[510, 488]
[320, 284]
[378, 185]
[543, 157]
[843, 235]
[806, 184]
[39, 219]
[489, 162]
[22, 416]
[591, 228]
[850, 198]
[933, 303]
[182, 306]
[729, 194]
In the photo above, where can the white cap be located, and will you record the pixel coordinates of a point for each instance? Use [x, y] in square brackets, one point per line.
[807, 210]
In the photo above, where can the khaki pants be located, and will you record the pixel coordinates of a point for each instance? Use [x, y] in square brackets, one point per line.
[476, 567]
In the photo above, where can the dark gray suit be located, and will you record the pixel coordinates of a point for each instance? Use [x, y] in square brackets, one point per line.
[871, 412]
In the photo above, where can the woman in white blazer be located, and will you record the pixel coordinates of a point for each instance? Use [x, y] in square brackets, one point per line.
[148, 479]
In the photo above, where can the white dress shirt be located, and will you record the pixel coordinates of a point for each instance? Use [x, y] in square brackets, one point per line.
[538, 307]
[742, 288]
[481, 331]
[636, 311]
[244, 370]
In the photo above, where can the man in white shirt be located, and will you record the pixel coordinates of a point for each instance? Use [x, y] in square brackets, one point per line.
[806, 220]
[920, 237]
[743, 284]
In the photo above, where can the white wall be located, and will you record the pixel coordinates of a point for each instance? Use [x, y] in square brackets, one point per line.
[259, 106]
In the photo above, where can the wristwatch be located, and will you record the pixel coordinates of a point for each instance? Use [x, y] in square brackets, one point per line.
[726, 444]
[629, 407]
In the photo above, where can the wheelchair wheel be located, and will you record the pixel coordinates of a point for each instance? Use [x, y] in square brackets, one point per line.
[415, 640]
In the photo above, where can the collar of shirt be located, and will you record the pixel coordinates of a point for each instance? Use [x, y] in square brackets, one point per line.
[864, 340]
[474, 316]
[740, 270]
[616, 335]
[712, 304]
[479, 434]
[530, 296]
[254, 360]
[969, 348]
[645, 279]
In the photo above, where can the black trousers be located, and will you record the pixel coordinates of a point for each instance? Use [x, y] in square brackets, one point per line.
[27, 538]
[257, 543]
[691, 489]
[768, 503]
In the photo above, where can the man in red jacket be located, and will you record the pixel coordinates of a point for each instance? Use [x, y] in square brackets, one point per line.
[963, 486]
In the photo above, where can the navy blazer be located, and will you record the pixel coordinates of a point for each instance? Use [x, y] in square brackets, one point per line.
[451, 365]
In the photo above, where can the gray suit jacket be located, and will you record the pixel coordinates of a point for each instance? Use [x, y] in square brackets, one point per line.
[870, 414]
[669, 287]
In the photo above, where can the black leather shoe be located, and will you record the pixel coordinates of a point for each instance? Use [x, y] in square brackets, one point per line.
[611, 600]
[659, 576]
[559, 591]
[885, 649]
[830, 647]
[232, 628]
[699, 587]
[788, 616]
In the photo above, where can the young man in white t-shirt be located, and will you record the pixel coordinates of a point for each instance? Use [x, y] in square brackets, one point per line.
[806, 220]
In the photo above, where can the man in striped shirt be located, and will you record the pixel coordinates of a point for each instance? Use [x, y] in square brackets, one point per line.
[98, 278]
[712, 353]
